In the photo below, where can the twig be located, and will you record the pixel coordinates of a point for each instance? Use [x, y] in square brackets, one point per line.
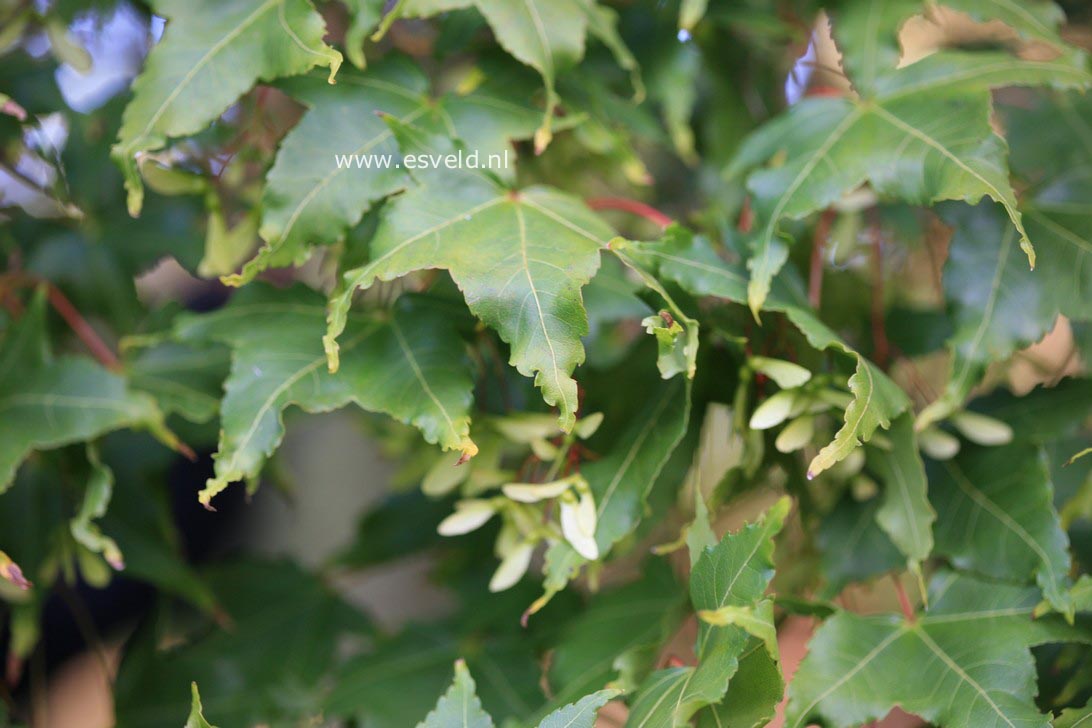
[632, 206]
[746, 216]
[904, 601]
[86, 333]
[75, 320]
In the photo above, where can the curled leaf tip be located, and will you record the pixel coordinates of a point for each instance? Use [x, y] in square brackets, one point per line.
[205, 496]
[542, 139]
[14, 574]
[335, 65]
[536, 606]
[333, 361]
[469, 451]
[233, 280]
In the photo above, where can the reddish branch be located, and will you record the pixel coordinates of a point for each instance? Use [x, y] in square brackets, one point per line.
[83, 330]
[904, 601]
[631, 206]
[86, 333]
[75, 320]
[818, 244]
[746, 216]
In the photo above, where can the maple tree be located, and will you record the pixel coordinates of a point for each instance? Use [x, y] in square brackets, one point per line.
[746, 335]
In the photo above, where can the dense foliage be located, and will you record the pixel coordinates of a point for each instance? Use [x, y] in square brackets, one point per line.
[763, 284]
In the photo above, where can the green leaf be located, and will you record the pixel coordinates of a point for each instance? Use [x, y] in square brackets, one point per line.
[621, 480]
[1073, 717]
[547, 35]
[1059, 216]
[313, 193]
[997, 517]
[580, 714]
[273, 662]
[867, 31]
[96, 499]
[691, 262]
[32, 554]
[1037, 20]
[316, 191]
[757, 621]
[226, 246]
[197, 712]
[1082, 594]
[366, 15]
[853, 547]
[603, 25]
[753, 695]
[1046, 415]
[141, 521]
[459, 707]
[673, 82]
[996, 304]
[699, 534]
[491, 113]
[620, 628]
[906, 515]
[924, 136]
[867, 34]
[877, 401]
[975, 638]
[46, 403]
[520, 259]
[389, 686]
[734, 573]
[211, 53]
[183, 379]
[410, 364]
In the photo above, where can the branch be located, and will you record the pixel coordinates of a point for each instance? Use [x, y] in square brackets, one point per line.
[631, 206]
[71, 315]
[904, 601]
[86, 333]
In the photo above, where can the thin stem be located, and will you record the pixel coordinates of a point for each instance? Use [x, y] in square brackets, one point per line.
[71, 315]
[561, 459]
[632, 206]
[746, 216]
[904, 601]
[86, 333]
